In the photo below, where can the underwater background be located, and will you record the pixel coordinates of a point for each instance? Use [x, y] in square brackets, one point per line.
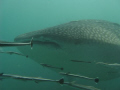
[22, 16]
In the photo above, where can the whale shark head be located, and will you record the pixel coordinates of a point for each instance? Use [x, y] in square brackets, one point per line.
[85, 40]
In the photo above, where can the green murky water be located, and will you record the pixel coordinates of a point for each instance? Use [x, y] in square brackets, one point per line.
[21, 16]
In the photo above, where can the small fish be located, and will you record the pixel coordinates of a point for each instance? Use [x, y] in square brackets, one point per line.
[80, 61]
[10, 52]
[50, 66]
[81, 86]
[110, 65]
[61, 81]
[36, 79]
[79, 76]
[9, 44]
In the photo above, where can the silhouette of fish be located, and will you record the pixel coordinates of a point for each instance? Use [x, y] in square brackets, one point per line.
[46, 65]
[84, 40]
[9, 44]
[11, 52]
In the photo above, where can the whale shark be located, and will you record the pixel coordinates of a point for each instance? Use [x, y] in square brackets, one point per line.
[83, 40]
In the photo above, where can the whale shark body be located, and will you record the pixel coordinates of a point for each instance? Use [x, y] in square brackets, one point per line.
[85, 40]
